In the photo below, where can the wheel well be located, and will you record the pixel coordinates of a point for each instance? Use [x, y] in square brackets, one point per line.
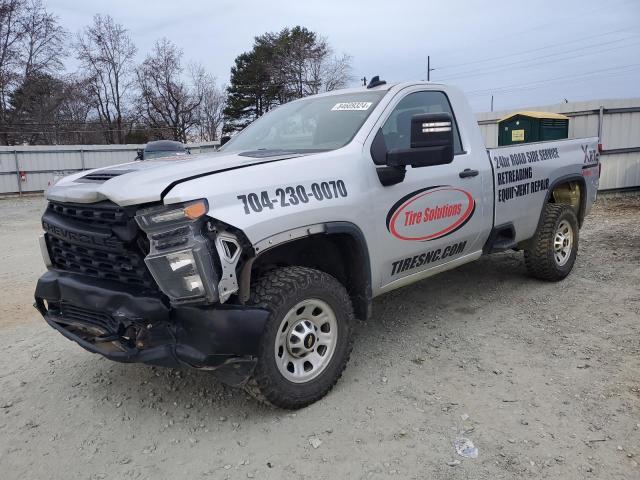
[338, 254]
[571, 193]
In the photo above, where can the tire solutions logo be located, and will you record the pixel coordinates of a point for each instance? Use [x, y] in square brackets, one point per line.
[430, 213]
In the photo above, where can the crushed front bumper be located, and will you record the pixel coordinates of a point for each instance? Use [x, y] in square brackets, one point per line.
[128, 324]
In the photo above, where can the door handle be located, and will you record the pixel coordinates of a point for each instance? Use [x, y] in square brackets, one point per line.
[467, 172]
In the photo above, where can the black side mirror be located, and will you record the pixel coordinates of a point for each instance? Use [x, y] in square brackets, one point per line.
[139, 154]
[224, 139]
[431, 142]
[387, 175]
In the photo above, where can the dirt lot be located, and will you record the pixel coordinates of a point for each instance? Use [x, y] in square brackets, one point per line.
[543, 378]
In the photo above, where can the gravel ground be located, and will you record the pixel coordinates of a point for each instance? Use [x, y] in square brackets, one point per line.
[543, 378]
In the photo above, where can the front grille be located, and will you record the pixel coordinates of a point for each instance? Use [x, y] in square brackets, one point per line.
[103, 213]
[119, 258]
[100, 320]
[123, 266]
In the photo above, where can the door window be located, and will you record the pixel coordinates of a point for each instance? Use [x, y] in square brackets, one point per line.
[397, 128]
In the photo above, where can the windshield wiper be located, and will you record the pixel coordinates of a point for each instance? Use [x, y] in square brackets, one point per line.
[265, 152]
[273, 152]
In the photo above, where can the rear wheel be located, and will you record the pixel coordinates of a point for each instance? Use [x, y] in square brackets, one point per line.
[552, 251]
[308, 337]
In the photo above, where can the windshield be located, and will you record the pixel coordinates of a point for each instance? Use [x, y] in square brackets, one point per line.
[308, 125]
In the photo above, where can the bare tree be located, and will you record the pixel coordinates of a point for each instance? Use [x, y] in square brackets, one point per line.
[335, 72]
[169, 106]
[31, 51]
[11, 33]
[43, 41]
[210, 112]
[106, 53]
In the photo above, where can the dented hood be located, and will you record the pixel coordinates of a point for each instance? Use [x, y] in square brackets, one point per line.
[148, 181]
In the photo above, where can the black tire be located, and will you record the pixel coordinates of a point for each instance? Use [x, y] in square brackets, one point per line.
[279, 291]
[539, 257]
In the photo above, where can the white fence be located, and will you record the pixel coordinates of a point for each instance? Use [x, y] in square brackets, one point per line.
[615, 122]
[33, 168]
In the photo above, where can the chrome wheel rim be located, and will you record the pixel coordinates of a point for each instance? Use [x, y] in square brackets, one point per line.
[563, 243]
[306, 340]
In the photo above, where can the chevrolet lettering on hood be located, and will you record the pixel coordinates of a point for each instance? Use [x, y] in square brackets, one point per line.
[79, 237]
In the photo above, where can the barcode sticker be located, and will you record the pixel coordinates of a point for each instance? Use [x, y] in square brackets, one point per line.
[352, 106]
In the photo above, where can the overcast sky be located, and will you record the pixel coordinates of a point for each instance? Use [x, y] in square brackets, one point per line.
[525, 53]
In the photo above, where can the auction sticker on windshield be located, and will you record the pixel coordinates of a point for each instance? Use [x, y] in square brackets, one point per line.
[351, 106]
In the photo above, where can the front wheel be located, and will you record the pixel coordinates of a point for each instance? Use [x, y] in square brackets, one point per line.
[553, 249]
[307, 339]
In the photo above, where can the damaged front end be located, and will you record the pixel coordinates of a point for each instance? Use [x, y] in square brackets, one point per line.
[143, 286]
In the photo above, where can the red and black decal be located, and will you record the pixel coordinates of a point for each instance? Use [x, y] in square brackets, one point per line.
[430, 213]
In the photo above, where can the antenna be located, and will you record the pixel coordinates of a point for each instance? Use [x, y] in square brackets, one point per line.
[376, 82]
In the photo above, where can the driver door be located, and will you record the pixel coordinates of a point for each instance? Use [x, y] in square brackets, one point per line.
[435, 214]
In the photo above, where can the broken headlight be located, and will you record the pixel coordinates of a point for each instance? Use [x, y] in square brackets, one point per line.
[179, 255]
[177, 274]
[172, 214]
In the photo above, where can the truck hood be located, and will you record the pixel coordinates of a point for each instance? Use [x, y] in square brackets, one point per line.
[148, 181]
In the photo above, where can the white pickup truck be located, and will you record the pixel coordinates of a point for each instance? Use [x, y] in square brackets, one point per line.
[254, 261]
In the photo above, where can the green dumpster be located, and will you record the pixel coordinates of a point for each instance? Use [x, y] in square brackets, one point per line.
[528, 126]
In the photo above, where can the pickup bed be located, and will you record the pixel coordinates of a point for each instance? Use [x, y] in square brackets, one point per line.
[255, 260]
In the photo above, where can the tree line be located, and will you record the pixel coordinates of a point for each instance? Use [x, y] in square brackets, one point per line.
[112, 98]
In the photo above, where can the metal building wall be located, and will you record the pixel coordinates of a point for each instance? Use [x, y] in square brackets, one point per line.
[42, 165]
[620, 136]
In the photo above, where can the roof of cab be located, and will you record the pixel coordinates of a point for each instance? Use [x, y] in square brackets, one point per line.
[383, 87]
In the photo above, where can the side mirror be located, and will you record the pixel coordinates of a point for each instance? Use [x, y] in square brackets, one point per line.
[224, 139]
[431, 142]
[139, 154]
[387, 175]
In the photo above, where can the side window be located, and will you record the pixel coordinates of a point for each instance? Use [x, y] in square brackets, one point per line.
[397, 128]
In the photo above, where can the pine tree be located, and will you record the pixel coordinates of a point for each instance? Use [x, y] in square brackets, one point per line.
[251, 92]
[281, 67]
